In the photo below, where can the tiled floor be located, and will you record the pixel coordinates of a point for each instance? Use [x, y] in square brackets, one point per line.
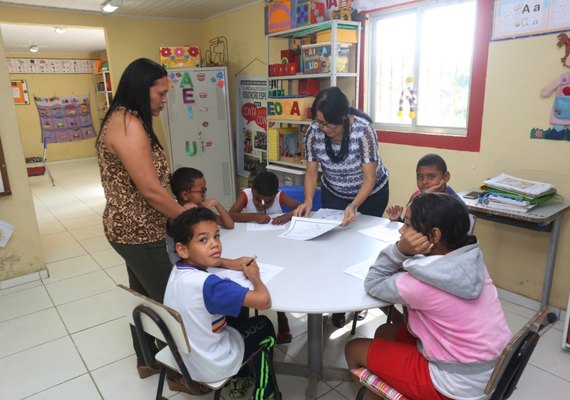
[66, 337]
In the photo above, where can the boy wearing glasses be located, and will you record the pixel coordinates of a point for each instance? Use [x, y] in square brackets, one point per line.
[189, 187]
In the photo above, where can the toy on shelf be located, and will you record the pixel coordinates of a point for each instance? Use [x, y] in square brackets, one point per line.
[309, 12]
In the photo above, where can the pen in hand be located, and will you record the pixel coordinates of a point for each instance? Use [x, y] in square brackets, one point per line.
[250, 261]
[263, 204]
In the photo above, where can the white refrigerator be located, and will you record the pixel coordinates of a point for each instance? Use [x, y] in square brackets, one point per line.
[198, 126]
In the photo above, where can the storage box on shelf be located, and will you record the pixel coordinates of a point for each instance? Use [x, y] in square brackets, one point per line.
[324, 60]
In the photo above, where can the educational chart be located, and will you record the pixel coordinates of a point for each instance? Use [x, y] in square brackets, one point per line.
[65, 119]
[251, 123]
[49, 66]
[514, 18]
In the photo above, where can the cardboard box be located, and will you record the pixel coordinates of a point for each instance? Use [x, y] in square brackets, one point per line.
[342, 35]
[278, 15]
[35, 169]
[296, 108]
[309, 12]
[316, 58]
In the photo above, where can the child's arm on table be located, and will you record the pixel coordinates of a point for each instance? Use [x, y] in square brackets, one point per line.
[291, 204]
[237, 215]
[258, 298]
[237, 264]
[223, 218]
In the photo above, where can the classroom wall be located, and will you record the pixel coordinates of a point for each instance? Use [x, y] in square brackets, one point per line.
[62, 85]
[23, 253]
[517, 71]
[126, 38]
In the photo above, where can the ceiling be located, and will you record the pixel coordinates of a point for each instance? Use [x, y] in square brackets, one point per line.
[19, 37]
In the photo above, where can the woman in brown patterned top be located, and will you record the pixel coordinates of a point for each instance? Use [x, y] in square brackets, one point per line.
[135, 175]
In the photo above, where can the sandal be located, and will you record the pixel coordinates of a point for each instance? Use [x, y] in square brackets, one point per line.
[284, 338]
[179, 385]
[239, 386]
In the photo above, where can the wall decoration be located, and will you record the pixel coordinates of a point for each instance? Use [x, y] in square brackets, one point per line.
[49, 66]
[20, 92]
[515, 18]
[180, 57]
[65, 119]
[560, 114]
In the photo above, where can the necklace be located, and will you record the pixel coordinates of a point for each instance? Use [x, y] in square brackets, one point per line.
[343, 152]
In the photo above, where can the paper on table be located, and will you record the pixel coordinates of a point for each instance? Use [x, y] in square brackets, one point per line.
[386, 231]
[360, 270]
[6, 231]
[266, 271]
[329, 213]
[254, 226]
[308, 228]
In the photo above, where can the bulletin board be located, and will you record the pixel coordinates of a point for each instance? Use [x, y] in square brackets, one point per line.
[4, 183]
[516, 18]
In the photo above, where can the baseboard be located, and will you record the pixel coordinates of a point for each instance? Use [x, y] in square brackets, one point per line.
[21, 280]
[528, 303]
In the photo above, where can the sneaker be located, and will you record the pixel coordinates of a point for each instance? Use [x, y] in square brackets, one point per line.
[239, 386]
[338, 319]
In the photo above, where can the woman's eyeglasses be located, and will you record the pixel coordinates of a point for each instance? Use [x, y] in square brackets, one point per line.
[327, 125]
[203, 191]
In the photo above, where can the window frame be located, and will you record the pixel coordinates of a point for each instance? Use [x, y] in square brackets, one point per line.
[471, 141]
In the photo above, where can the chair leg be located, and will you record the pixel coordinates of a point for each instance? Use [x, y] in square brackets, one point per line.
[160, 386]
[360, 394]
[218, 394]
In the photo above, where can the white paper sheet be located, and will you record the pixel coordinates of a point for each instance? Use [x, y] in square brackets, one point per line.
[360, 270]
[387, 231]
[308, 228]
[329, 213]
[266, 271]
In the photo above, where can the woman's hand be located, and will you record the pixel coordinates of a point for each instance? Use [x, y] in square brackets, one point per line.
[349, 215]
[413, 242]
[302, 210]
[394, 212]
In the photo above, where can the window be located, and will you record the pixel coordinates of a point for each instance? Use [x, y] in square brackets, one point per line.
[426, 73]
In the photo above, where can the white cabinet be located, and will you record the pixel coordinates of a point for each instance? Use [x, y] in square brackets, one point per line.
[198, 124]
[104, 91]
[329, 55]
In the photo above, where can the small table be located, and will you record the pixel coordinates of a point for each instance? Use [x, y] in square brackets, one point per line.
[543, 218]
[312, 280]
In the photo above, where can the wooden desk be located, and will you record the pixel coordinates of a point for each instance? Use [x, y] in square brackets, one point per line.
[543, 218]
[312, 280]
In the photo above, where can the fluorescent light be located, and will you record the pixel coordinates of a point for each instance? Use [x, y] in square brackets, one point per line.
[34, 48]
[111, 5]
[59, 29]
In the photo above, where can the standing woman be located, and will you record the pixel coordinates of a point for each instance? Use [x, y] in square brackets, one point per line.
[343, 140]
[134, 175]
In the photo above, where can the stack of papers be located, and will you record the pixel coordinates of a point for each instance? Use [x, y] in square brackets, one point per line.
[520, 186]
[512, 194]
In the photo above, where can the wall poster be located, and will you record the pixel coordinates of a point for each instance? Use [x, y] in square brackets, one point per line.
[251, 123]
[515, 18]
[20, 92]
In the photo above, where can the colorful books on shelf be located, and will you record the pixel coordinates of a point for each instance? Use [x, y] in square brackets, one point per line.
[512, 194]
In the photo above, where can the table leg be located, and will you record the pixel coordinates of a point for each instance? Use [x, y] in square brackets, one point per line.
[549, 272]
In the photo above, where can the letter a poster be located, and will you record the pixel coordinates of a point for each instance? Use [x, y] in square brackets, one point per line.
[251, 121]
[516, 18]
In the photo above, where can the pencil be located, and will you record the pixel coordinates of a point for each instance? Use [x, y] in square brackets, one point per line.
[250, 261]
[263, 204]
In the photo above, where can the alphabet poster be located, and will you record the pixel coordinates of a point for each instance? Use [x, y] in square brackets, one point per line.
[64, 119]
[515, 18]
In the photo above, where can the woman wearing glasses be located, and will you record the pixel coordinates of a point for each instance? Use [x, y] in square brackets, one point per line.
[343, 140]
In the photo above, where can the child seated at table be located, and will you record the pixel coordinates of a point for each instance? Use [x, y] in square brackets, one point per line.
[258, 202]
[204, 300]
[455, 328]
[189, 186]
[432, 176]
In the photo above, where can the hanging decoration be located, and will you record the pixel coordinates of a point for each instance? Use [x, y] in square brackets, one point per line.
[560, 114]
[408, 94]
[65, 119]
